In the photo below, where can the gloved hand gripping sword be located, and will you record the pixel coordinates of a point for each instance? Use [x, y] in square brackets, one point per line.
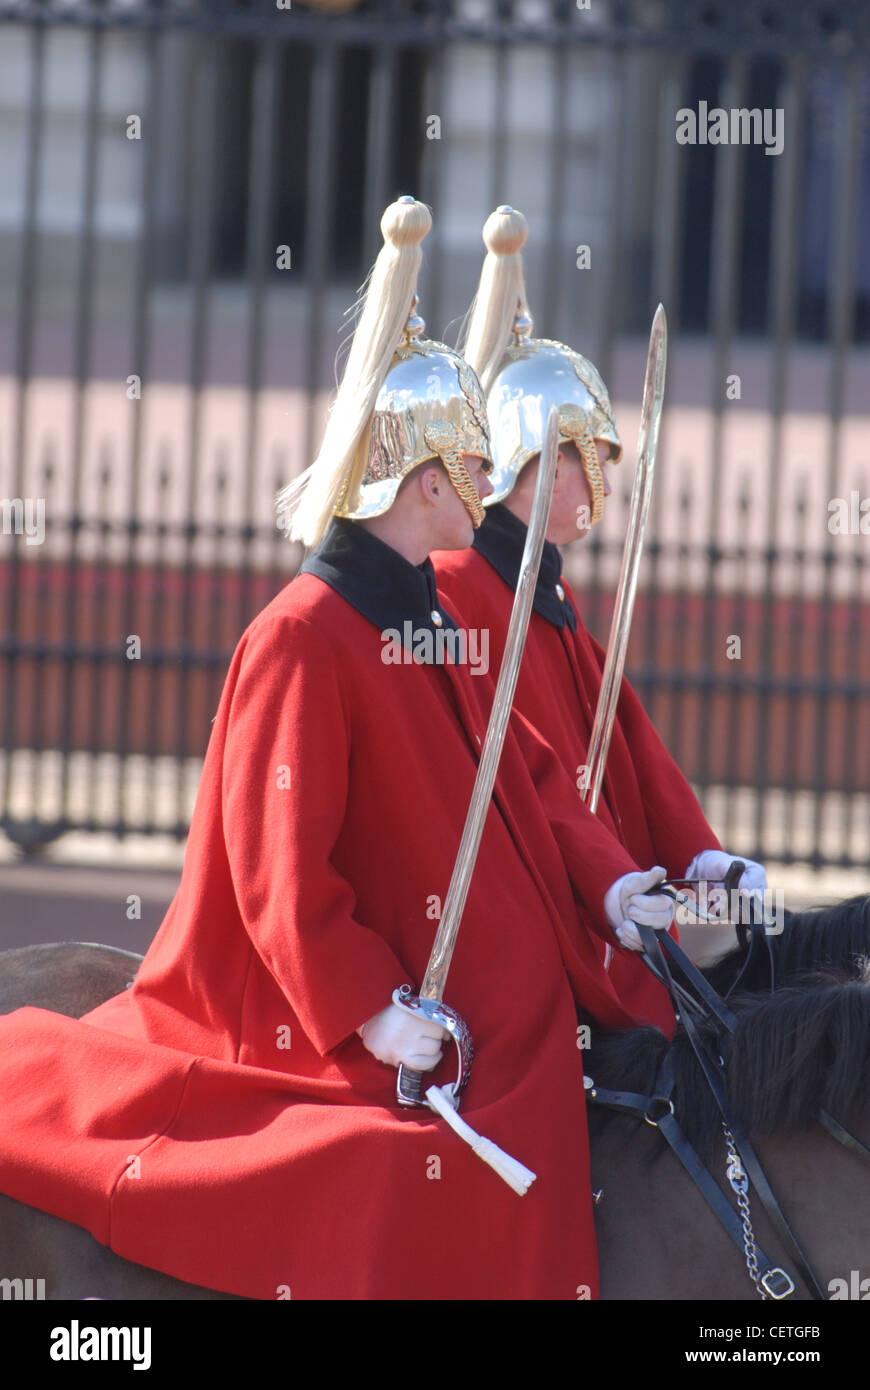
[428, 1003]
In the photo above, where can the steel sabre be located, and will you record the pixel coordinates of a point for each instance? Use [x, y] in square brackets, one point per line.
[428, 1002]
[614, 664]
[620, 627]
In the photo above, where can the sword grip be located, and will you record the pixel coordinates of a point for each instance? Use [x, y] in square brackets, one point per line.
[409, 1083]
[409, 1086]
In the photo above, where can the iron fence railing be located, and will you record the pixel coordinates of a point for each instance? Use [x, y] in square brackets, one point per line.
[192, 197]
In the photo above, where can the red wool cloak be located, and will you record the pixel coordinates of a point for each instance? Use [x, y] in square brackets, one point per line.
[646, 802]
[221, 1121]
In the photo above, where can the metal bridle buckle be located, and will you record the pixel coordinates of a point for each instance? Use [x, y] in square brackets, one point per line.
[459, 1031]
[784, 1286]
[662, 1113]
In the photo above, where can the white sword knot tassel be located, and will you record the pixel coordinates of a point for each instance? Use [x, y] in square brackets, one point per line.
[515, 1174]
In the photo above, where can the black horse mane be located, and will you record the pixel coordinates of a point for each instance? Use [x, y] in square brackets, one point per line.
[835, 938]
[803, 1048]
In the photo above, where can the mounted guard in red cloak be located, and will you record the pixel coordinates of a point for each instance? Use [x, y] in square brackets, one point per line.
[646, 802]
[231, 1119]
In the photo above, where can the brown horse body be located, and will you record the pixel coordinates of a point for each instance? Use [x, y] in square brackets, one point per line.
[657, 1238]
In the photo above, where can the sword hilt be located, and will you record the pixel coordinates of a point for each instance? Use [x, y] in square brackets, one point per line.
[409, 1082]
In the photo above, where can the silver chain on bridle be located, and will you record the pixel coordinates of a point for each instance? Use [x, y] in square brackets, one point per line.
[736, 1175]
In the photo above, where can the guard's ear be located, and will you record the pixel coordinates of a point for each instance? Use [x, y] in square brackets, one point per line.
[564, 457]
[432, 479]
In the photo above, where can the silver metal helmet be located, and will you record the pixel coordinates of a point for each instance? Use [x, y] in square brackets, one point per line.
[533, 375]
[430, 405]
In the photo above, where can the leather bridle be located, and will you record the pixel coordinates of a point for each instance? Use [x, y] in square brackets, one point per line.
[697, 1002]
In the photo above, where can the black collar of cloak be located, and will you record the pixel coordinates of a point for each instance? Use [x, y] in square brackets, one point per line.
[380, 584]
[500, 540]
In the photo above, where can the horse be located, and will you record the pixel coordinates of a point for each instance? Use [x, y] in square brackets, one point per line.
[800, 1047]
[822, 949]
[798, 1050]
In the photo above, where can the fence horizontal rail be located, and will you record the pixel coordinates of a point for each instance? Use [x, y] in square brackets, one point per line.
[190, 202]
[695, 26]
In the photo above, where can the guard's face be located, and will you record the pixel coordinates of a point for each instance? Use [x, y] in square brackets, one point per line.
[571, 509]
[455, 526]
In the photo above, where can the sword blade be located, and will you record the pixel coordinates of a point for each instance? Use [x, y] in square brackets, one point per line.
[457, 893]
[614, 665]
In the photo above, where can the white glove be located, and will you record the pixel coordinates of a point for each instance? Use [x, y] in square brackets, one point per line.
[713, 864]
[395, 1036]
[626, 899]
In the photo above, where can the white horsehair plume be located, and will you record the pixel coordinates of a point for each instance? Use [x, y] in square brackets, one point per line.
[307, 503]
[501, 289]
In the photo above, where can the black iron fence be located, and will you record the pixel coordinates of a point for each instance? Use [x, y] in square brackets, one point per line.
[193, 196]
